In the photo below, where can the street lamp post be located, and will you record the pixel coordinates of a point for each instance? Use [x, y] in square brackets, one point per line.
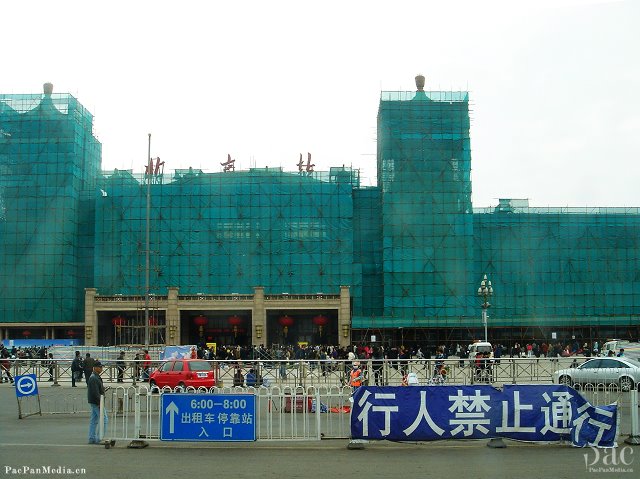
[485, 291]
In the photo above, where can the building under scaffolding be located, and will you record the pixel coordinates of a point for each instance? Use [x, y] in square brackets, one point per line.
[268, 256]
[49, 164]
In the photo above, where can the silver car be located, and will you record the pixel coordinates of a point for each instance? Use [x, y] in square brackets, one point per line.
[622, 371]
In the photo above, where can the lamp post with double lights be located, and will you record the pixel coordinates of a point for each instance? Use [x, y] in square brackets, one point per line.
[485, 291]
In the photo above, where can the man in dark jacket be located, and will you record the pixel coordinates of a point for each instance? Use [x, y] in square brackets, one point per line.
[88, 366]
[77, 369]
[121, 366]
[95, 390]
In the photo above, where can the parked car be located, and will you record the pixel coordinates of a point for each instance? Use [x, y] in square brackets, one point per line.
[622, 371]
[183, 373]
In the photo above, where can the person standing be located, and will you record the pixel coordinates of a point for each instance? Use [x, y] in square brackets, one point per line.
[95, 391]
[51, 364]
[88, 366]
[146, 365]
[377, 364]
[251, 378]
[137, 367]
[121, 365]
[5, 362]
[77, 369]
[497, 354]
[356, 376]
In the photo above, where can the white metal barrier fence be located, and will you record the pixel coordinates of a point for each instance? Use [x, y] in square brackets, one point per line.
[287, 413]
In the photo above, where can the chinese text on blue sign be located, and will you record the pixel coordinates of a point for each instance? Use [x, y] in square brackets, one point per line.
[527, 412]
[208, 417]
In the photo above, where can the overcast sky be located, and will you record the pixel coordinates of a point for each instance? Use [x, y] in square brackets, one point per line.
[553, 83]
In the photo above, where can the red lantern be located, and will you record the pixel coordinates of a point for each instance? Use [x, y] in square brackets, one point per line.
[71, 333]
[320, 321]
[26, 333]
[235, 321]
[200, 321]
[117, 321]
[286, 322]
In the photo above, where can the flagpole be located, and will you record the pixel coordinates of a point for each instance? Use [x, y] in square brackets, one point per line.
[146, 251]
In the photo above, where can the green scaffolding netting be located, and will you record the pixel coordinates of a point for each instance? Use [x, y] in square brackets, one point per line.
[412, 249]
[49, 160]
[226, 232]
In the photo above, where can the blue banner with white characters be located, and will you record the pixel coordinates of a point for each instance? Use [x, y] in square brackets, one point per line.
[545, 413]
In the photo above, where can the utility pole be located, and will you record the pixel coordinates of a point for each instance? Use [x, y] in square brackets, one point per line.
[148, 173]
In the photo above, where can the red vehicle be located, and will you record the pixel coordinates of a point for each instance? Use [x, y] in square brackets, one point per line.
[183, 373]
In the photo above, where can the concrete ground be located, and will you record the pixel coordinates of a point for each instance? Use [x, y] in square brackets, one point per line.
[60, 441]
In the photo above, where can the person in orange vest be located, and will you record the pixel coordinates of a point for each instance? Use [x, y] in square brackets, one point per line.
[355, 376]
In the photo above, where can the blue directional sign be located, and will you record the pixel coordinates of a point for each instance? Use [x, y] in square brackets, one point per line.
[208, 417]
[26, 385]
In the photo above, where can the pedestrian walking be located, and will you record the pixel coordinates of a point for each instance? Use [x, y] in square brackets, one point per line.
[51, 365]
[121, 366]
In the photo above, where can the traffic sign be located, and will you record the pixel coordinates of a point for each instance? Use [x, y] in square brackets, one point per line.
[26, 385]
[208, 417]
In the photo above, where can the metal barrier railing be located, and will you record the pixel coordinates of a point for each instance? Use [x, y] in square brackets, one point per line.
[306, 373]
[288, 413]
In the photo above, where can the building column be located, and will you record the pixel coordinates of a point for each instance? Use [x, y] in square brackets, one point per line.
[173, 317]
[344, 317]
[90, 317]
[258, 318]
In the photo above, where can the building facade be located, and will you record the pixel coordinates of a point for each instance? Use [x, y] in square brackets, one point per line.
[267, 256]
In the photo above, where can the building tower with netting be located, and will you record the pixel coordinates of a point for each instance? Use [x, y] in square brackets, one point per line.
[49, 164]
[424, 172]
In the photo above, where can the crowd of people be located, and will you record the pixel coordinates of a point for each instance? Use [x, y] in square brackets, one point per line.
[325, 357]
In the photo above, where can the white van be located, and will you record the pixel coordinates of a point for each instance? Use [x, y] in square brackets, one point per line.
[480, 347]
[631, 350]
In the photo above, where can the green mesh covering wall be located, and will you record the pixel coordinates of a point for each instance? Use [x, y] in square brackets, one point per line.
[412, 250]
[368, 293]
[227, 232]
[424, 164]
[560, 267]
[48, 157]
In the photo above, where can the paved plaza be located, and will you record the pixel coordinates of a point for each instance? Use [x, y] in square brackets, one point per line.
[60, 441]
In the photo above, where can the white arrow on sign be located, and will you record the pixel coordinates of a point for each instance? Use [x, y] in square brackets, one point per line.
[26, 385]
[172, 410]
